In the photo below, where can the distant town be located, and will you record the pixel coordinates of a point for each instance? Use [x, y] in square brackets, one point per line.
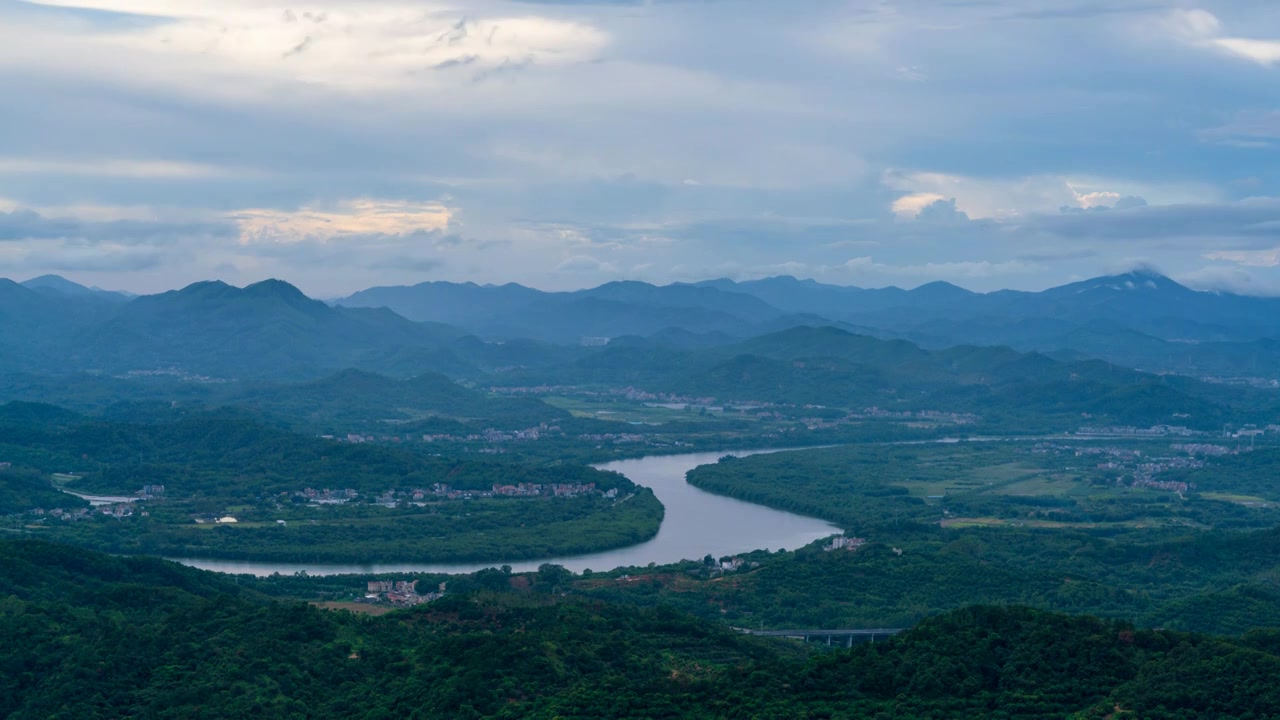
[400, 593]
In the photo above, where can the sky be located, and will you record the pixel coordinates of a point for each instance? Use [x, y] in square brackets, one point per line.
[148, 144]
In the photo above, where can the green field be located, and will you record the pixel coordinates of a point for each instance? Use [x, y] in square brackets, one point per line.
[634, 412]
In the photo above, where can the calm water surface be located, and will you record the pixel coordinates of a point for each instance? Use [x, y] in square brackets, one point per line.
[696, 523]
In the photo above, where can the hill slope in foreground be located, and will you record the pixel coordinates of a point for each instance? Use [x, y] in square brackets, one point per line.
[90, 635]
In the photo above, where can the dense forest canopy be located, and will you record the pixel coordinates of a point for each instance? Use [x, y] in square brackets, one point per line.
[154, 639]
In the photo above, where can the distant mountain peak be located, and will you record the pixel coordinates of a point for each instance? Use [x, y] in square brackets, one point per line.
[941, 290]
[274, 287]
[53, 281]
[58, 285]
[1140, 279]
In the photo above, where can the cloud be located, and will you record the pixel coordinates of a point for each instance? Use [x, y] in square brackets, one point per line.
[95, 259]
[1007, 198]
[585, 264]
[1203, 29]
[114, 168]
[912, 205]
[1248, 222]
[941, 211]
[370, 46]
[26, 224]
[339, 143]
[1253, 258]
[350, 218]
[1249, 129]
[1229, 278]
[968, 269]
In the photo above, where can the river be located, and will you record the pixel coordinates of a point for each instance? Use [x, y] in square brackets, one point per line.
[696, 523]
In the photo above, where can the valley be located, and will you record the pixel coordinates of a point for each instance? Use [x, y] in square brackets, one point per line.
[807, 477]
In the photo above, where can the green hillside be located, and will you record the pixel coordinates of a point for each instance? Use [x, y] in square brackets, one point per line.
[88, 635]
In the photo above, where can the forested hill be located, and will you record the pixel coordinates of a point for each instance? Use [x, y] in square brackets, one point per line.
[229, 453]
[831, 367]
[344, 402]
[90, 635]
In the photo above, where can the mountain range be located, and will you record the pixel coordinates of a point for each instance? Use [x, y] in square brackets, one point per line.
[1138, 319]
[271, 329]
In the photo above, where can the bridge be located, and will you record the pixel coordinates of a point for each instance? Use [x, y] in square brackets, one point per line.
[845, 637]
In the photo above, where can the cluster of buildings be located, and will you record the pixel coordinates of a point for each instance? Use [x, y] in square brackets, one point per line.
[1254, 382]
[1204, 449]
[550, 490]
[1142, 470]
[401, 593]
[843, 542]
[114, 510]
[181, 375]
[615, 438]
[71, 515]
[1130, 431]
[934, 416]
[441, 491]
[489, 435]
[327, 496]
[627, 393]
[117, 510]
[1145, 474]
[495, 436]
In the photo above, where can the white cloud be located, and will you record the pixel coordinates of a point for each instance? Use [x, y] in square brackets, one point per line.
[1228, 278]
[375, 45]
[1201, 28]
[349, 218]
[911, 205]
[1010, 198]
[1251, 258]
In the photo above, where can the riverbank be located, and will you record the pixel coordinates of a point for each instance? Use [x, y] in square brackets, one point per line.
[696, 523]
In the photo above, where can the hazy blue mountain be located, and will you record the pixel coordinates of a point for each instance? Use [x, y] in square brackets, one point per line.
[463, 304]
[611, 310]
[683, 296]
[58, 285]
[266, 328]
[828, 366]
[1144, 301]
[1139, 319]
[38, 327]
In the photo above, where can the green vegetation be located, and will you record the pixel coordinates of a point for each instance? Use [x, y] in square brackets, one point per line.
[88, 635]
[1097, 485]
[350, 401]
[1009, 391]
[490, 530]
[1055, 525]
[1213, 582]
[23, 489]
[366, 502]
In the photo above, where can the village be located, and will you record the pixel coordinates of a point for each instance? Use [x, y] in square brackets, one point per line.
[1138, 469]
[441, 491]
[115, 507]
[400, 593]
